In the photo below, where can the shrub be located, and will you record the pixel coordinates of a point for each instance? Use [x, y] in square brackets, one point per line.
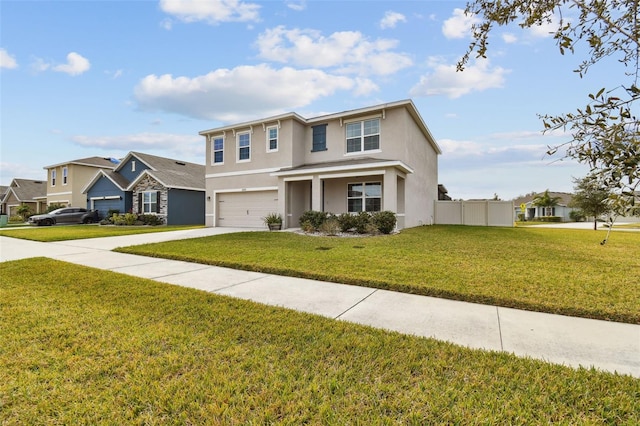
[330, 226]
[577, 216]
[112, 212]
[384, 222]
[346, 221]
[124, 219]
[315, 218]
[16, 219]
[549, 219]
[55, 206]
[150, 219]
[307, 226]
[362, 222]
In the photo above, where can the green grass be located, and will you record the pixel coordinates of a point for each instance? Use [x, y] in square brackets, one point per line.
[83, 346]
[549, 270]
[74, 232]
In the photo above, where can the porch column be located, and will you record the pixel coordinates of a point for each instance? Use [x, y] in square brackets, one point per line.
[316, 194]
[283, 188]
[390, 191]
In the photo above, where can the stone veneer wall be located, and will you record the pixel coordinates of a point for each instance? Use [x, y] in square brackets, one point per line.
[149, 184]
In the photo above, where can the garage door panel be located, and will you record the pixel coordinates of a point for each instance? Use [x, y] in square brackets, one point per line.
[246, 209]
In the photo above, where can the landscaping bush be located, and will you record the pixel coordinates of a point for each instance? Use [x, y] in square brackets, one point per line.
[549, 219]
[330, 226]
[16, 219]
[315, 218]
[346, 221]
[577, 216]
[55, 206]
[112, 212]
[363, 220]
[384, 222]
[128, 219]
[150, 219]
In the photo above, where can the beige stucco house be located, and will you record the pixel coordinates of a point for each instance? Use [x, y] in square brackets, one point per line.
[381, 157]
[66, 181]
[29, 192]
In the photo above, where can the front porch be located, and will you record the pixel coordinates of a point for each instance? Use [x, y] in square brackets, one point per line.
[341, 187]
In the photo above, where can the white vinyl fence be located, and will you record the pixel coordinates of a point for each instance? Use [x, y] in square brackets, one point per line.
[476, 213]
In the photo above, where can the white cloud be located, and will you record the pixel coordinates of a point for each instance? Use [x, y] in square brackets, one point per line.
[136, 141]
[296, 5]
[7, 60]
[76, 65]
[446, 80]
[241, 93]
[509, 38]
[391, 19]
[347, 51]
[211, 11]
[546, 29]
[39, 65]
[189, 147]
[459, 25]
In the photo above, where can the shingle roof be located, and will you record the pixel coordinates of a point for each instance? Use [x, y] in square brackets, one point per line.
[189, 178]
[166, 164]
[173, 173]
[565, 198]
[89, 161]
[28, 190]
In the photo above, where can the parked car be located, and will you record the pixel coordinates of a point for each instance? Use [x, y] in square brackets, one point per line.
[65, 215]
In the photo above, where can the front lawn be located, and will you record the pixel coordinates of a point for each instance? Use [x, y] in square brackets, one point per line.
[84, 346]
[549, 270]
[75, 232]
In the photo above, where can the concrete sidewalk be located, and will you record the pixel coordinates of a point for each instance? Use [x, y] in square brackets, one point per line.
[607, 346]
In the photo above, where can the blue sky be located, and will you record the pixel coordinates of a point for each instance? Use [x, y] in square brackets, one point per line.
[85, 78]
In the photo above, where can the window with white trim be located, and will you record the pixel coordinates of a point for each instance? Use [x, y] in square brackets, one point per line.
[53, 177]
[244, 146]
[149, 202]
[272, 139]
[65, 175]
[363, 135]
[365, 196]
[217, 150]
[133, 165]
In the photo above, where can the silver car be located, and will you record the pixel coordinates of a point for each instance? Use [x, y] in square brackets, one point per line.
[65, 215]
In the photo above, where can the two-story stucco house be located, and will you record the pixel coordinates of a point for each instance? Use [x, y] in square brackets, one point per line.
[66, 181]
[376, 158]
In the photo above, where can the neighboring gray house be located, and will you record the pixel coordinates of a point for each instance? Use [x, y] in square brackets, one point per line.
[533, 212]
[32, 193]
[148, 184]
[376, 158]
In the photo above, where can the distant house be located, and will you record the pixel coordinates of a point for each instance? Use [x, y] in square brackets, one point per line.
[533, 212]
[32, 193]
[381, 157]
[66, 180]
[148, 184]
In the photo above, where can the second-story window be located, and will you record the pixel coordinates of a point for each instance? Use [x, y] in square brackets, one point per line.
[272, 139]
[65, 175]
[363, 135]
[244, 146]
[53, 177]
[319, 138]
[217, 150]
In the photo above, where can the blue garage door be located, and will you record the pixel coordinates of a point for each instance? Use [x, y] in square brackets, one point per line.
[103, 206]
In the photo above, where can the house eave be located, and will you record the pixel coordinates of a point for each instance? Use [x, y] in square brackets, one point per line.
[345, 168]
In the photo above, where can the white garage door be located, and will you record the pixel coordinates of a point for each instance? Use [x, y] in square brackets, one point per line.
[246, 209]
